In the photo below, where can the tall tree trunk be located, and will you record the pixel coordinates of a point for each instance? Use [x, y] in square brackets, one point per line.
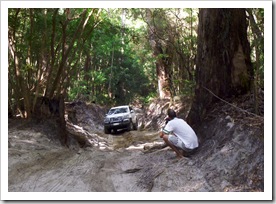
[67, 48]
[162, 74]
[163, 77]
[258, 45]
[43, 65]
[20, 84]
[223, 58]
[62, 128]
[111, 73]
[53, 53]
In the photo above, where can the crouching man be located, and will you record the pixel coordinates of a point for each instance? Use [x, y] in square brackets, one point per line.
[179, 135]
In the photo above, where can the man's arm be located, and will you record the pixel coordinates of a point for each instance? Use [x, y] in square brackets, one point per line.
[164, 132]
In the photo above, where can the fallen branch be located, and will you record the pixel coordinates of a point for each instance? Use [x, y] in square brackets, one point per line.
[154, 146]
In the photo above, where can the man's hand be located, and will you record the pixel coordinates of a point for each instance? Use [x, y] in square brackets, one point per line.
[161, 134]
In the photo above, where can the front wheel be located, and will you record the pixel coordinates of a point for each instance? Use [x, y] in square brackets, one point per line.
[107, 130]
[135, 126]
[130, 126]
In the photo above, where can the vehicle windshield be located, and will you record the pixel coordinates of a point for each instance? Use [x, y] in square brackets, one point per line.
[117, 111]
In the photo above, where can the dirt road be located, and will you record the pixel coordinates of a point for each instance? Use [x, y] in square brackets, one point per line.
[230, 159]
[37, 163]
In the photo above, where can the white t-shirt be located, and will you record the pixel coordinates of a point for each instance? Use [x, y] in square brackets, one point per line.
[183, 131]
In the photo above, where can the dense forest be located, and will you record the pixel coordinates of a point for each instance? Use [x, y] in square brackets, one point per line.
[68, 66]
[120, 56]
[127, 56]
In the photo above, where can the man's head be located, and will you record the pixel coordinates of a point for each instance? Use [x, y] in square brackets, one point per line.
[171, 113]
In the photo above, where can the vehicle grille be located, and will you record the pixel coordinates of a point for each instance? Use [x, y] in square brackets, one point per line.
[117, 119]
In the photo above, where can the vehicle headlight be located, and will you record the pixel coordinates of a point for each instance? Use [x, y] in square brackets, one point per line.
[106, 120]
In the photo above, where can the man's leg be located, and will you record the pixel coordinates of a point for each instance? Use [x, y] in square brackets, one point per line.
[174, 148]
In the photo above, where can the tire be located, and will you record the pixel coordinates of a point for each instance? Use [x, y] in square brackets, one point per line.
[130, 126]
[106, 130]
[135, 126]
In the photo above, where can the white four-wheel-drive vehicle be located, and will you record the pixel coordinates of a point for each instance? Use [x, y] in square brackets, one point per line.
[120, 117]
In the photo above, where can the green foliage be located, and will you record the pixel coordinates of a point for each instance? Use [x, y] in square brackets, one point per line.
[256, 39]
[118, 61]
[98, 77]
[82, 88]
[111, 60]
[148, 98]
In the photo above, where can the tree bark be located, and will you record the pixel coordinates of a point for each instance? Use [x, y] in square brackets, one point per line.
[62, 122]
[162, 72]
[53, 53]
[223, 58]
[20, 84]
[257, 45]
